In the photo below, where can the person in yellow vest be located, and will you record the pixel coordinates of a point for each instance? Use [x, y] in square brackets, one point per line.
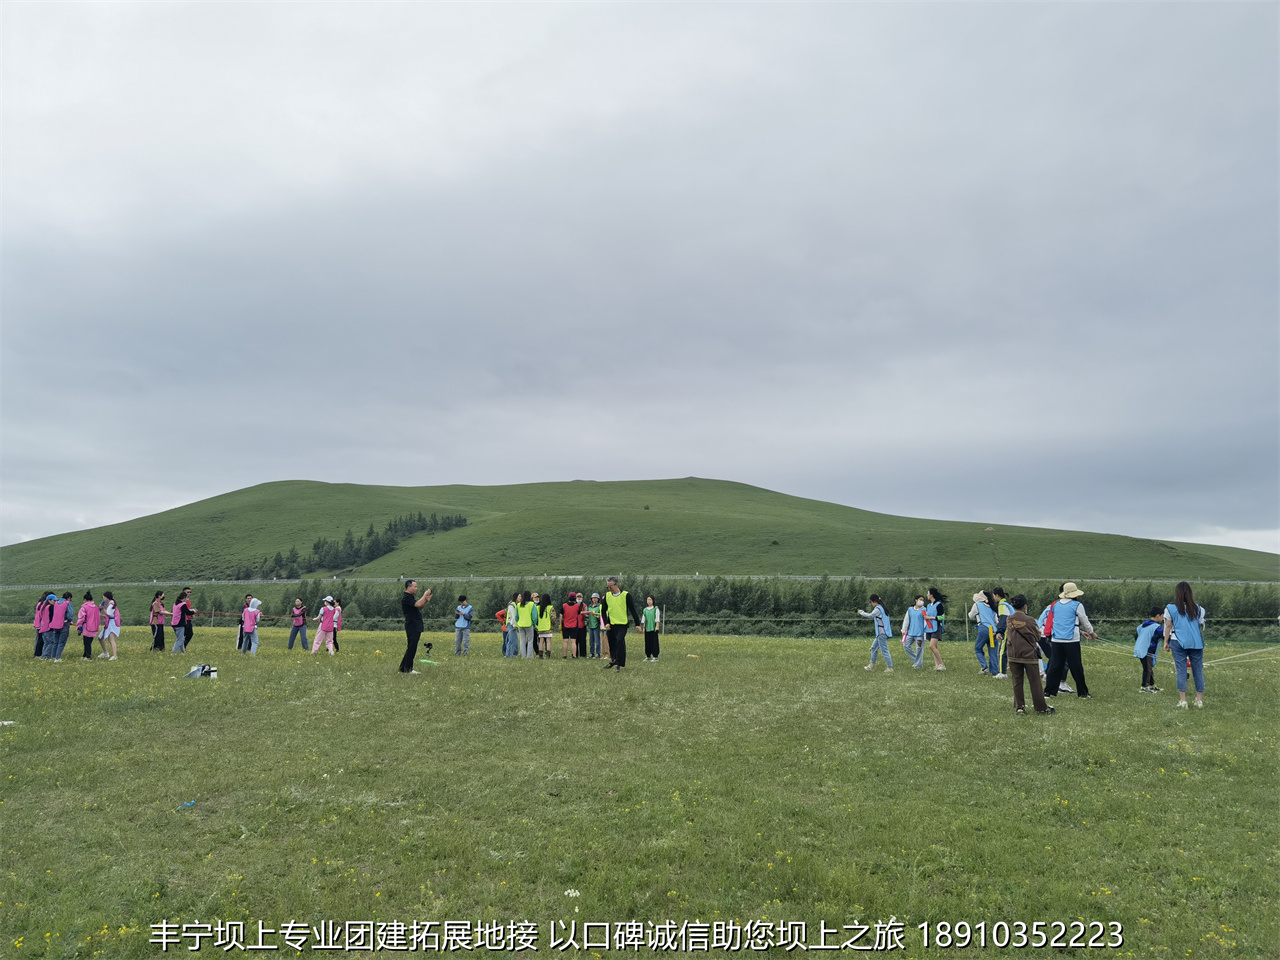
[526, 622]
[618, 612]
[546, 625]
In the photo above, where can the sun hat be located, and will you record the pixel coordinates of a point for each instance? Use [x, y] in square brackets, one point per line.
[1070, 591]
[327, 600]
[595, 596]
[979, 597]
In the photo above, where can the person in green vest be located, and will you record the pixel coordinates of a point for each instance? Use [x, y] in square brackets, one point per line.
[526, 624]
[618, 612]
[652, 624]
[593, 627]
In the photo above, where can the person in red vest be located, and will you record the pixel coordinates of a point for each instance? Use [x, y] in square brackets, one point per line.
[573, 627]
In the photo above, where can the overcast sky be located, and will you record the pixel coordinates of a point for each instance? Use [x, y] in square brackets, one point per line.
[997, 262]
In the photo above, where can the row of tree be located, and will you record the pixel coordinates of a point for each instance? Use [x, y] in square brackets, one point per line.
[350, 551]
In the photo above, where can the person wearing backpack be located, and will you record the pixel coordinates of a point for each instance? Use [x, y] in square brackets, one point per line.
[1146, 645]
[880, 644]
[1070, 623]
[1021, 636]
[1045, 622]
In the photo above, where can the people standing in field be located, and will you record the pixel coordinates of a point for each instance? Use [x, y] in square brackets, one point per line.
[546, 625]
[983, 613]
[1046, 644]
[510, 635]
[913, 631]
[240, 640]
[249, 627]
[1004, 609]
[935, 623]
[324, 632]
[573, 626]
[158, 613]
[1022, 636]
[337, 623]
[1182, 637]
[1070, 623]
[299, 628]
[88, 622]
[411, 606]
[880, 643]
[180, 620]
[110, 627]
[652, 618]
[41, 624]
[593, 627]
[1147, 645]
[618, 613]
[464, 614]
[527, 625]
[59, 629]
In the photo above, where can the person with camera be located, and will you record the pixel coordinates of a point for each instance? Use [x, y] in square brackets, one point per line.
[411, 605]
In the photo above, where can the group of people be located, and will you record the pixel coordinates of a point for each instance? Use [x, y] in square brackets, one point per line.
[1009, 642]
[95, 621]
[590, 629]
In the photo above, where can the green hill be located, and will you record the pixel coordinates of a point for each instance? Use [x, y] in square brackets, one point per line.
[585, 527]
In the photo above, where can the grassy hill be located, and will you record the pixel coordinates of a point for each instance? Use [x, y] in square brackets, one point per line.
[580, 527]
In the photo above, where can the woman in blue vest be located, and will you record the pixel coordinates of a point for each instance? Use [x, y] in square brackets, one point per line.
[880, 645]
[1182, 622]
[935, 623]
[1070, 623]
[913, 631]
[983, 613]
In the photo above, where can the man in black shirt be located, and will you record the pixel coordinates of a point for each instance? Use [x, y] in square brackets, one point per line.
[412, 622]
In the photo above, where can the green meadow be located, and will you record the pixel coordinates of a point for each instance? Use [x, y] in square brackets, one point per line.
[738, 781]
[656, 527]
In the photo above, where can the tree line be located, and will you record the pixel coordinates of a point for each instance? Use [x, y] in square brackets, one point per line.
[350, 551]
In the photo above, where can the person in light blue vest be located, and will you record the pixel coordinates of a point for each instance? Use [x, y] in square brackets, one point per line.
[1070, 623]
[462, 627]
[935, 623]
[985, 647]
[880, 645]
[1146, 646]
[1182, 622]
[914, 627]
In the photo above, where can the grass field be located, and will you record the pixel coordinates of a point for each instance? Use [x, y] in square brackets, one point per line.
[654, 527]
[737, 780]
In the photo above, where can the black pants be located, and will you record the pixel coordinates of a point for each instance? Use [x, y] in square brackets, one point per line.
[157, 637]
[651, 644]
[580, 640]
[335, 640]
[1066, 656]
[39, 644]
[1148, 675]
[412, 635]
[618, 645]
[88, 645]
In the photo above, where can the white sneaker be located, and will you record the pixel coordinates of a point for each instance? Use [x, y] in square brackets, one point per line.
[1064, 688]
[413, 671]
[1000, 676]
[102, 656]
[113, 658]
[869, 666]
[940, 667]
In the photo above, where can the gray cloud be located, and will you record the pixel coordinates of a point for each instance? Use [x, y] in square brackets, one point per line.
[904, 258]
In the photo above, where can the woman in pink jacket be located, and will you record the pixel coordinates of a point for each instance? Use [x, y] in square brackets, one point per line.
[328, 613]
[87, 623]
[158, 613]
[41, 623]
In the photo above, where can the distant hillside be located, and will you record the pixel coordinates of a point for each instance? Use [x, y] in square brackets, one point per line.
[578, 527]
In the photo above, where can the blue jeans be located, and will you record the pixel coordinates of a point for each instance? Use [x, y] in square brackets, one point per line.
[179, 639]
[49, 640]
[593, 641]
[1180, 662]
[250, 643]
[988, 656]
[914, 646]
[881, 645]
[508, 642]
[299, 629]
[461, 641]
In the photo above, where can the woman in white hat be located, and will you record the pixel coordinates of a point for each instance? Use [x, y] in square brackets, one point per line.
[1070, 623]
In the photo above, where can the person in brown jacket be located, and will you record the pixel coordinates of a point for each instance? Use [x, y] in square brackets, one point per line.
[1022, 636]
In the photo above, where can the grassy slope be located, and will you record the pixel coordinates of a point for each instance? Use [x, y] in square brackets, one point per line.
[763, 779]
[708, 526]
